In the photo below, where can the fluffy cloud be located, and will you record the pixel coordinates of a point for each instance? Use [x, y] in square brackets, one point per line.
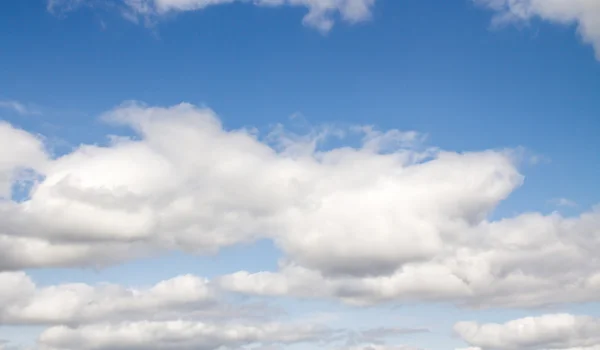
[558, 332]
[234, 187]
[527, 261]
[321, 13]
[17, 252]
[22, 302]
[184, 312]
[176, 335]
[585, 14]
[20, 152]
[387, 220]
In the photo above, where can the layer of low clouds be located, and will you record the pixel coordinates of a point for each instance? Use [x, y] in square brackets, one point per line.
[554, 331]
[174, 335]
[22, 302]
[184, 312]
[584, 14]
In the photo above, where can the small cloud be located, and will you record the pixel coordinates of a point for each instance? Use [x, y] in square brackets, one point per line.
[62, 6]
[583, 14]
[563, 202]
[19, 107]
[320, 15]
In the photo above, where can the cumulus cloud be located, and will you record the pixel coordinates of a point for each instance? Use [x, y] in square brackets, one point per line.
[184, 312]
[321, 15]
[234, 187]
[18, 252]
[20, 153]
[557, 332]
[176, 335]
[585, 14]
[527, 261]
[388, 220]
[22, 302]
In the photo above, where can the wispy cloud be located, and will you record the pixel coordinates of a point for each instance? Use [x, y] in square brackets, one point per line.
[583, 14]
[563, 202]
[18, 107]
[321, 14]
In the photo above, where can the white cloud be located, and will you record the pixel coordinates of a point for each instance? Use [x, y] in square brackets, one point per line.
[22, 302]
[18, 107]
[557, 332]
[188, 184]
[377, 338]
[527, 261]
[60, 6]
[176, 335]
[585, 14]
[184, 312]
[388, 220]
[563, 202]
[321, 14]
[20, 152]
[32, 252]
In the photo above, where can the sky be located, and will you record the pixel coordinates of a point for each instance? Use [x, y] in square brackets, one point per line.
[299, 174]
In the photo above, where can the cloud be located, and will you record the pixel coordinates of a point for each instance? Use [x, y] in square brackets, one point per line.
[37, 252]
[376, 338]
[530, 260]
[374, 335]
[387, 220]
[557, 331]
[585, 14]
[6, 345]
[62, 6]
[380, 347]
[176, 335]
[563, 202]
[321, 14]
[18, 107]
[20, 152]
[22, 302]
[235, 188]
[184, 312]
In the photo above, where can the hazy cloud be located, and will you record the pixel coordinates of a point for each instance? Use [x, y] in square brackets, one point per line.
[18, 107]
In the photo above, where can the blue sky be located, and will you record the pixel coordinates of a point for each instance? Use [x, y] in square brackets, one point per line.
[503, 96]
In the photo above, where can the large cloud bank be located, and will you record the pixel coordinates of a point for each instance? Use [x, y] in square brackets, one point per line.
[387, 220]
